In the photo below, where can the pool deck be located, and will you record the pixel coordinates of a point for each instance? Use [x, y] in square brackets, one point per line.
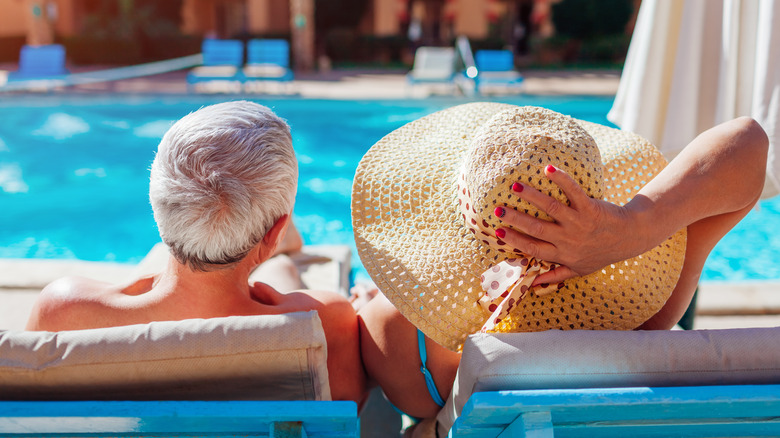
[720, 305]
[356, 84]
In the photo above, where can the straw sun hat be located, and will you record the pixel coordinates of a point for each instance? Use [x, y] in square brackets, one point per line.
[422, 211]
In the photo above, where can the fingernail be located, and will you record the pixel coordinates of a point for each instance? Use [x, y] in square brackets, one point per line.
[500, 233]
[499, 212]
[550, 168]
[517, 187]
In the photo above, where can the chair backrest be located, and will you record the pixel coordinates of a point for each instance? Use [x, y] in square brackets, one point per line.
[276, 52]
[261, 357]
[223, 52]
[434, 62]
[607, 358]
[495, 60]
[41, 61]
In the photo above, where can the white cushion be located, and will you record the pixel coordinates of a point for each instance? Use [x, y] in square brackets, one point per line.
[602, 359]
[268, 357]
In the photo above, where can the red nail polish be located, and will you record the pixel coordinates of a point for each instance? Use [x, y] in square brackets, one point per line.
[517, 187]
[550, 168]
[499, 212]
[500, 233]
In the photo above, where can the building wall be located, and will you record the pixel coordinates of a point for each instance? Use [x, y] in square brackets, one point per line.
[386, 17]
[268, 16]
[471, 18]
[13, 20]
[198, 17]
[67, 22]
[264, 17]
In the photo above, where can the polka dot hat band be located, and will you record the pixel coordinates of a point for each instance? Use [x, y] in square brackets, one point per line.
[422, 210]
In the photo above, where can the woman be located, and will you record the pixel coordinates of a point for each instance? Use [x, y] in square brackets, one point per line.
[572, 247]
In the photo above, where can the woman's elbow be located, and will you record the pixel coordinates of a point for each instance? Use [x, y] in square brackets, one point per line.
[753, 145]
[753, 136]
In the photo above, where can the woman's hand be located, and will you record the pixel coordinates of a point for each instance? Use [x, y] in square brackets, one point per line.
[584, 237]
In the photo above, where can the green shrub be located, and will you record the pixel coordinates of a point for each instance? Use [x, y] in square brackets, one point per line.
[609, 48]
[586, 19]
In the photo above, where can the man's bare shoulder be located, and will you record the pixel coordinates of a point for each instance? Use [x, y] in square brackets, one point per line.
[61, 303]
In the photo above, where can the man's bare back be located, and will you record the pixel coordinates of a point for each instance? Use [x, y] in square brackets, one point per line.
[74, 303]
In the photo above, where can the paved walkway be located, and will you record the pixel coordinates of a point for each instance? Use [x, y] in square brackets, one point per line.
[361, 84]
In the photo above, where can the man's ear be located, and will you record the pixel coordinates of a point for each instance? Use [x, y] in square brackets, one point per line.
[275, 235]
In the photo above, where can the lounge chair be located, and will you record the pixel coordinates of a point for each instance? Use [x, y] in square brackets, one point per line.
[433, 66]
[268, 61]
[41, 64]
[173, 378]
[220, 72]
[617, 383]
[198, 377]
[496, 71]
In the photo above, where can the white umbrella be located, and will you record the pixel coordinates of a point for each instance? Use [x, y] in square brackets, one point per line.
[695, 63]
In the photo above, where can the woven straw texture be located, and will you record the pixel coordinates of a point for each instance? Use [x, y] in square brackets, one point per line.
[427, 256]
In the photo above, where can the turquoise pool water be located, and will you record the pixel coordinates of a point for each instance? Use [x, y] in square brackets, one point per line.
[74, 173]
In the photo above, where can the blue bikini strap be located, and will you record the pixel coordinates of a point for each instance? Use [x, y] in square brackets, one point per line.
[428, 378]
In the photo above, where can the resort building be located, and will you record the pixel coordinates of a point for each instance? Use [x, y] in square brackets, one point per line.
[313, 33]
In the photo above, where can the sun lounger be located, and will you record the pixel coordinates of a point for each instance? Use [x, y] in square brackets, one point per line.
[220, 72]
[433, 66]
[496, 71]
[198, 377]
[136, 379]
[40, 62]
[268, 61]
[44, 65]
[643, 383]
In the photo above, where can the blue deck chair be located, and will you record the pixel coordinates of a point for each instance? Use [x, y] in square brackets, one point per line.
[496, 70]
[40, 63]
[433, 66]
[583, 383]
[222, 60]
[197, 377]
[267, 60]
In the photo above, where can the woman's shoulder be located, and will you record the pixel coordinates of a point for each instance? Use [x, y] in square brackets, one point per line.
[333, 308]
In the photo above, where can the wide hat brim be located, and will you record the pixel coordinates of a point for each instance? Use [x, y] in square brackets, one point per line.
[414, 244]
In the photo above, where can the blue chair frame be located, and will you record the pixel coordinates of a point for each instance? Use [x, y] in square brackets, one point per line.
[736, 410]
[179, 418]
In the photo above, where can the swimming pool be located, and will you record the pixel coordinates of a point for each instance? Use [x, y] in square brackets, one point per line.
[74, 173]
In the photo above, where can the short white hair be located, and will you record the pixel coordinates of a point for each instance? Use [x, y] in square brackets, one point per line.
[222, 176]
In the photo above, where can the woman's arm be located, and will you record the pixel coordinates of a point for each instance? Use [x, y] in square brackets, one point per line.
[709, 188]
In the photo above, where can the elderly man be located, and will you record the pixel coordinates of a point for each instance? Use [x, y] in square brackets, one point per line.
[222, 189]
